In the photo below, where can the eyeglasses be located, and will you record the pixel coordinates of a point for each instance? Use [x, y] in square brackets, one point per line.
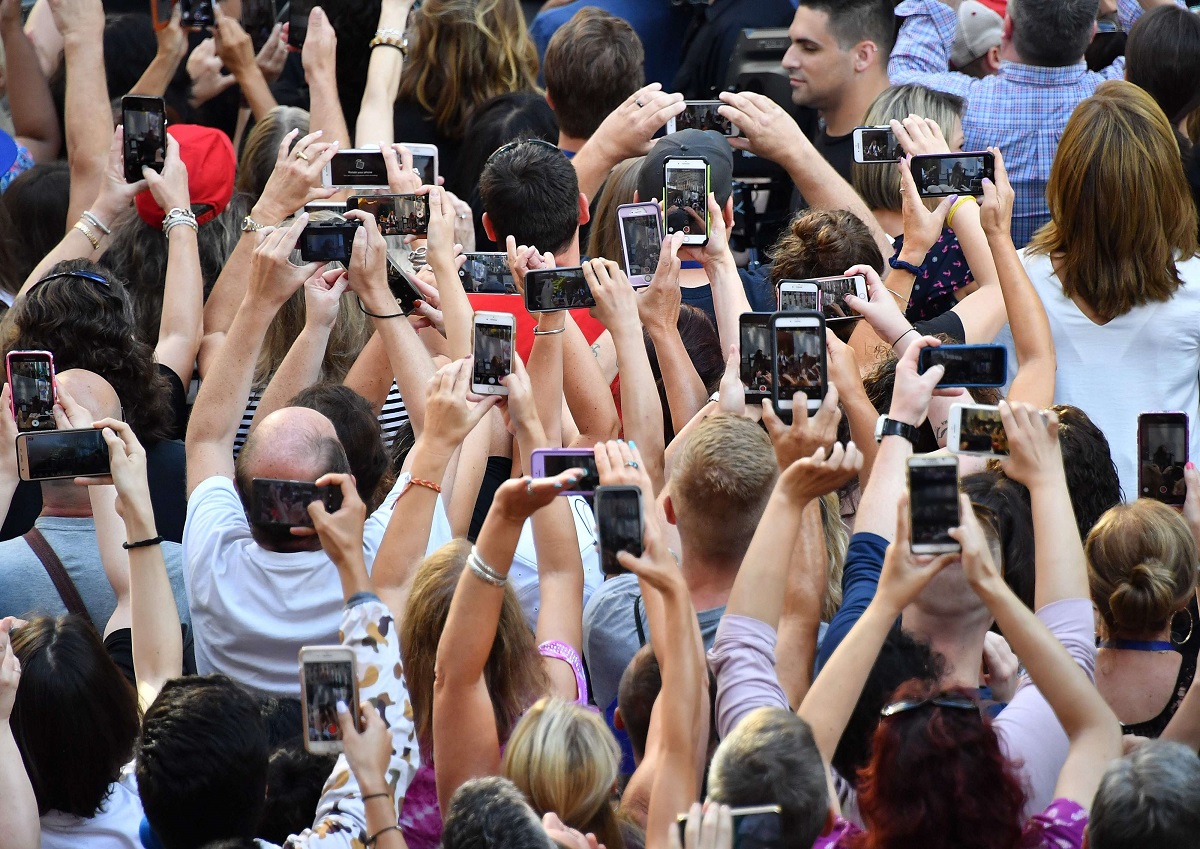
[947, 701]
[518, 142]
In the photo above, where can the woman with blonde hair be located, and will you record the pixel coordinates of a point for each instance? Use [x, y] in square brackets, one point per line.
[1117, 270]
[1142, 570]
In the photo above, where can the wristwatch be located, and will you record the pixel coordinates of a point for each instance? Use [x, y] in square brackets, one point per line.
[891, 427]
[249, 225]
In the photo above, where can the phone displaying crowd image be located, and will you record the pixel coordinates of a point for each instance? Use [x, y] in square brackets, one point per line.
[493, 352]
[754, 827]
[298, 21]
[31, 384]
[144, 120]
[754, 345]
[327, 676]
[685, 199]
[196, 14]
[487, 273]
[62, 454]
[702, 115]
[933, 503]
[798, 295]
[976, 429]
[641, 240]
[1162, 455]
[618, 524]
[395, 215]
[876, 144]
[942, 175]
[798, 359]
[553, 289]
[967, 365]
[284, 503]
[834, 291]
[551, 462]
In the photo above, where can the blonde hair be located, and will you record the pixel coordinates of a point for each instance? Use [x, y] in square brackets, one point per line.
[564, 759]
[1118, 144]
[1141, 566]
[258, 157]
[605, 238]
[837, 541]
[463, 53]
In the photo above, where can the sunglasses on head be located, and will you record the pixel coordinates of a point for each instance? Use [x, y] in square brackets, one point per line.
[947, 701]
[82, 275]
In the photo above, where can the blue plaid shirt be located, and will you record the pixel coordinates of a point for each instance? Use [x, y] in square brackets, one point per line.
[1022, 110]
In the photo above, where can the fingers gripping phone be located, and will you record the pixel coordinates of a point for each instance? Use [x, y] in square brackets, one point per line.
[754, 353]
[967, 365]
[553, 289]
[876, 144]
[31, 384]
[402, 287]
[976, 429]
[618, 524]
[1162, 455]
[550, 462]
[144, 120]
[933, 503]
[327, 676]
[942, 175]
[641, 240]
[685, 199]
[62, 454]
[395, 215]
[754, 827]
[493, 351]
[284, 503]
[798, 359]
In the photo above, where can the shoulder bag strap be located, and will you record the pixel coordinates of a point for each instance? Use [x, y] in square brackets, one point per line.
[58, 574]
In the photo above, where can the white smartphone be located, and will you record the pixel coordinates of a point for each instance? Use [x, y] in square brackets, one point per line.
[685, 199]
[799, 295]
[494, 333]
[327, 676]
[976, 429]
[702, 115]
[933, 503]
[876, 145]
[798, 359]
[425, 161]
[641, 240]
[355, 169]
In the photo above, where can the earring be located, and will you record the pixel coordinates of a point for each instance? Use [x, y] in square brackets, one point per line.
[1191, 625]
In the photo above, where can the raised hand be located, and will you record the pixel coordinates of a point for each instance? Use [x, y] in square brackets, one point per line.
[369, 752]
[619, 463]
[707, 828]
[656, 565]
[273, 278]
[340, 532]
[68, 415]
[905, 574]
[629, 129]
[170, 188]
[881, 311]
[912, 392]
[115, 194]
[78, 18]
[232, 43]
[733, 393]
[519, 406]
[659, 303]
[1034, 452]
[767, 130]
[319, 54]
[273, 55]
[616, 302]
[449, 416]
[919, 136]
[368, 265]
[204, 69]
[523, 259]
[717, 248]
[442, 216]
[976, 554]
[922, 228]
[296, 179]
[519, 498]
[127, 461]
[824, 472]
[805, 435]
[323, 297]
[995, 213]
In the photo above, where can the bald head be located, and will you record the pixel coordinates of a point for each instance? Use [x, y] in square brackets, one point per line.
[92, 392]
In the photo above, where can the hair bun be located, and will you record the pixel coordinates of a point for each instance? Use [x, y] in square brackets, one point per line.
[1145, 598]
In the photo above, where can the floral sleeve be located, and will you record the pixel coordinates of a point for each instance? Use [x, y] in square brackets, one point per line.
[369, 628]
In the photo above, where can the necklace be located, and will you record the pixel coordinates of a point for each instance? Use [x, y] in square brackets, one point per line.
[1137, 645]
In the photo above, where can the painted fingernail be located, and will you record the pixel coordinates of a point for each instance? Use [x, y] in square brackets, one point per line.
[558, 485]
[1189, 465]
[341, 707]
[632, 444]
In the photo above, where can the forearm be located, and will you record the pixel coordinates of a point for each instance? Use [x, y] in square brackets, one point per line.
[641, 408]
[587, 393]
[1060, 566]
[34, 120]
[325, 112]
[20, 827]
[300, 369]
[1032, 338]
[545, 370]
[371, 374]
[592, 166]
[800, 621]
[230, 286]
[560, 586]
[222, 398]
[74, 245]
[458, 315]
[157, 637]
[181, 326]
[375, 124]
[823, 188]
[761, 582]
[729, 299]
[257, 93]
[88, 121]
[8, 488]
[686, 392]
[862, 416]
[156, 77]
[1184, 726]
[411, 365]
[877, 507]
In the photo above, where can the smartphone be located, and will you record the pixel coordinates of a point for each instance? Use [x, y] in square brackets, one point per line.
[403, 289]
[54, 454]
[618, 524]
[196, 14]
[833, 295]
[754, 827]
[941, 175]
[876, 144]
[145, 123]
[933, 503]
[797, 295]
[327, 676]
[425, 161]
[548, 462]
[396, 215]
[754, 351]
[641, 240]
[487, 272]
[685, 199]
[298, 21]
[976, 429]
[284, 504]
[493, 351]
[1162, 454]
[702, 115]
[31, 382]
[337, 206]
[161, 11]
[355, 169]
[328, 241]
[967, 365]
[258, 20]
[798, 359]
[553, 289]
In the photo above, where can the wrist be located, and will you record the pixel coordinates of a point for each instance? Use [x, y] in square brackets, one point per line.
[913, 255]
[267, 213]
[432, 456]
[139, 524]
[552, 320]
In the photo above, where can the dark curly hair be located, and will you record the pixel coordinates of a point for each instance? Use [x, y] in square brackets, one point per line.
[89, 326]
[1004, 504]
[937, 779]
[823, 243]
[1091, 474]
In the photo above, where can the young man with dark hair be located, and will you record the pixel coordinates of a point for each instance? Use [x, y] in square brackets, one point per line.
[1023, 109]
[592, 64]
[530, 192]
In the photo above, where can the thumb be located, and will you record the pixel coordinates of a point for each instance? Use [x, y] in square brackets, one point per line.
[943, 208]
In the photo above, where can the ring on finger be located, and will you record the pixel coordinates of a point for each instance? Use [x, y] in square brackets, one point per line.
[302, 155]
[529, 486]
[639, 104]
[633, 464]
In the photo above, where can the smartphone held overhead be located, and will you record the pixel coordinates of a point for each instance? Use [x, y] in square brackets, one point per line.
[1162, 455]
[144, 123]
[933, 503]
[493, 352]
[328, 675]
[618, 525]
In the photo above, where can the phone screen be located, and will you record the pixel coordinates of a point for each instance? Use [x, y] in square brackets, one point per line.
[763, 830]
[981, 431]
[640, 236]
[618, 525]
[1162, 454]
[358, 168]
[791, 300]
[703, 115]
[298, 22]
[403, 290]
[145, 126]
[879, 145]
[934, 503]
[327, 242]
[755, 353]
[487, 272]
[555, 464]
[686, 201]
[66, 454]
[956, 174]
[426, 166]
[397, 215]
[284, 503]
[493, 354]
[557, 289]
[258, 19]
[196, 13]
[800, 354]
[833, 295]
[32, 377]
[967, 365]
[326, 682]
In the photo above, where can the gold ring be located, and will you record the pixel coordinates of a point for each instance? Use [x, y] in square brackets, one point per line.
[302, 155]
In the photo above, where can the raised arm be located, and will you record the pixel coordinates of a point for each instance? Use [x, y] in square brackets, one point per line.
[457, 313]
[922, 51]
[35, 122]
[19, 824]
[729, 297]
[319, 57]
[172, 48]
[236, 50]
[375, 123]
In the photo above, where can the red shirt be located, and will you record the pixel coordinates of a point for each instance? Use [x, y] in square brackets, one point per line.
[513, 305]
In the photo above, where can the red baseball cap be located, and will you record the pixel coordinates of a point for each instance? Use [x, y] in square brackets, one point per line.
[211, 166]
[997, 6]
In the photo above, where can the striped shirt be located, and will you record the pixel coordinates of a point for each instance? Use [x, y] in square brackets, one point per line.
[391, 418]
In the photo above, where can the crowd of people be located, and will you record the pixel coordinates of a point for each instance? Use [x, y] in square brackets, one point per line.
[296, 459]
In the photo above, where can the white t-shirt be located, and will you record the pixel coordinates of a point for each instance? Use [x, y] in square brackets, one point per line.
[524, 575]
[115, 825]
[253, 609]
[1145, 360]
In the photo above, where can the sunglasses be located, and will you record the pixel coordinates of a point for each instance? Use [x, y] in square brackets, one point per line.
[518, 142]
[82, 275]
[955, 702]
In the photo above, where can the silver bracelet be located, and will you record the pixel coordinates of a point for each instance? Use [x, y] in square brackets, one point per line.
[90, 218]
[549, 332]
[484, 572]
[389, 32]
[179, 216]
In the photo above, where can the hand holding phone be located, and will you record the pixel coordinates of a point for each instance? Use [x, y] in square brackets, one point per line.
[492, 352]
[798, 360]
[1162, 456]
[933, 503]
[144, 120]
[327, 677]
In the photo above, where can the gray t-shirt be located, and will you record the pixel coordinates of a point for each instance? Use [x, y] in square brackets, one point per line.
[26, 588]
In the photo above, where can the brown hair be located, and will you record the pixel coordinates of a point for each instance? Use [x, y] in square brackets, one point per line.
[723, 477]
[1141, 566]
[605, 237]
[823, 243]
[463, 53]
[514, 673]
[1118, 144]
[593, 63]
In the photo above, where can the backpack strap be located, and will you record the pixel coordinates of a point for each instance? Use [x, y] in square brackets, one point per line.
[67, 590]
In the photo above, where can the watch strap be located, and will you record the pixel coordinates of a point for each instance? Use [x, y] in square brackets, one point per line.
[891, 427]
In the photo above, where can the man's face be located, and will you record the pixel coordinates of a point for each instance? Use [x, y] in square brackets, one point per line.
[818, 69]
